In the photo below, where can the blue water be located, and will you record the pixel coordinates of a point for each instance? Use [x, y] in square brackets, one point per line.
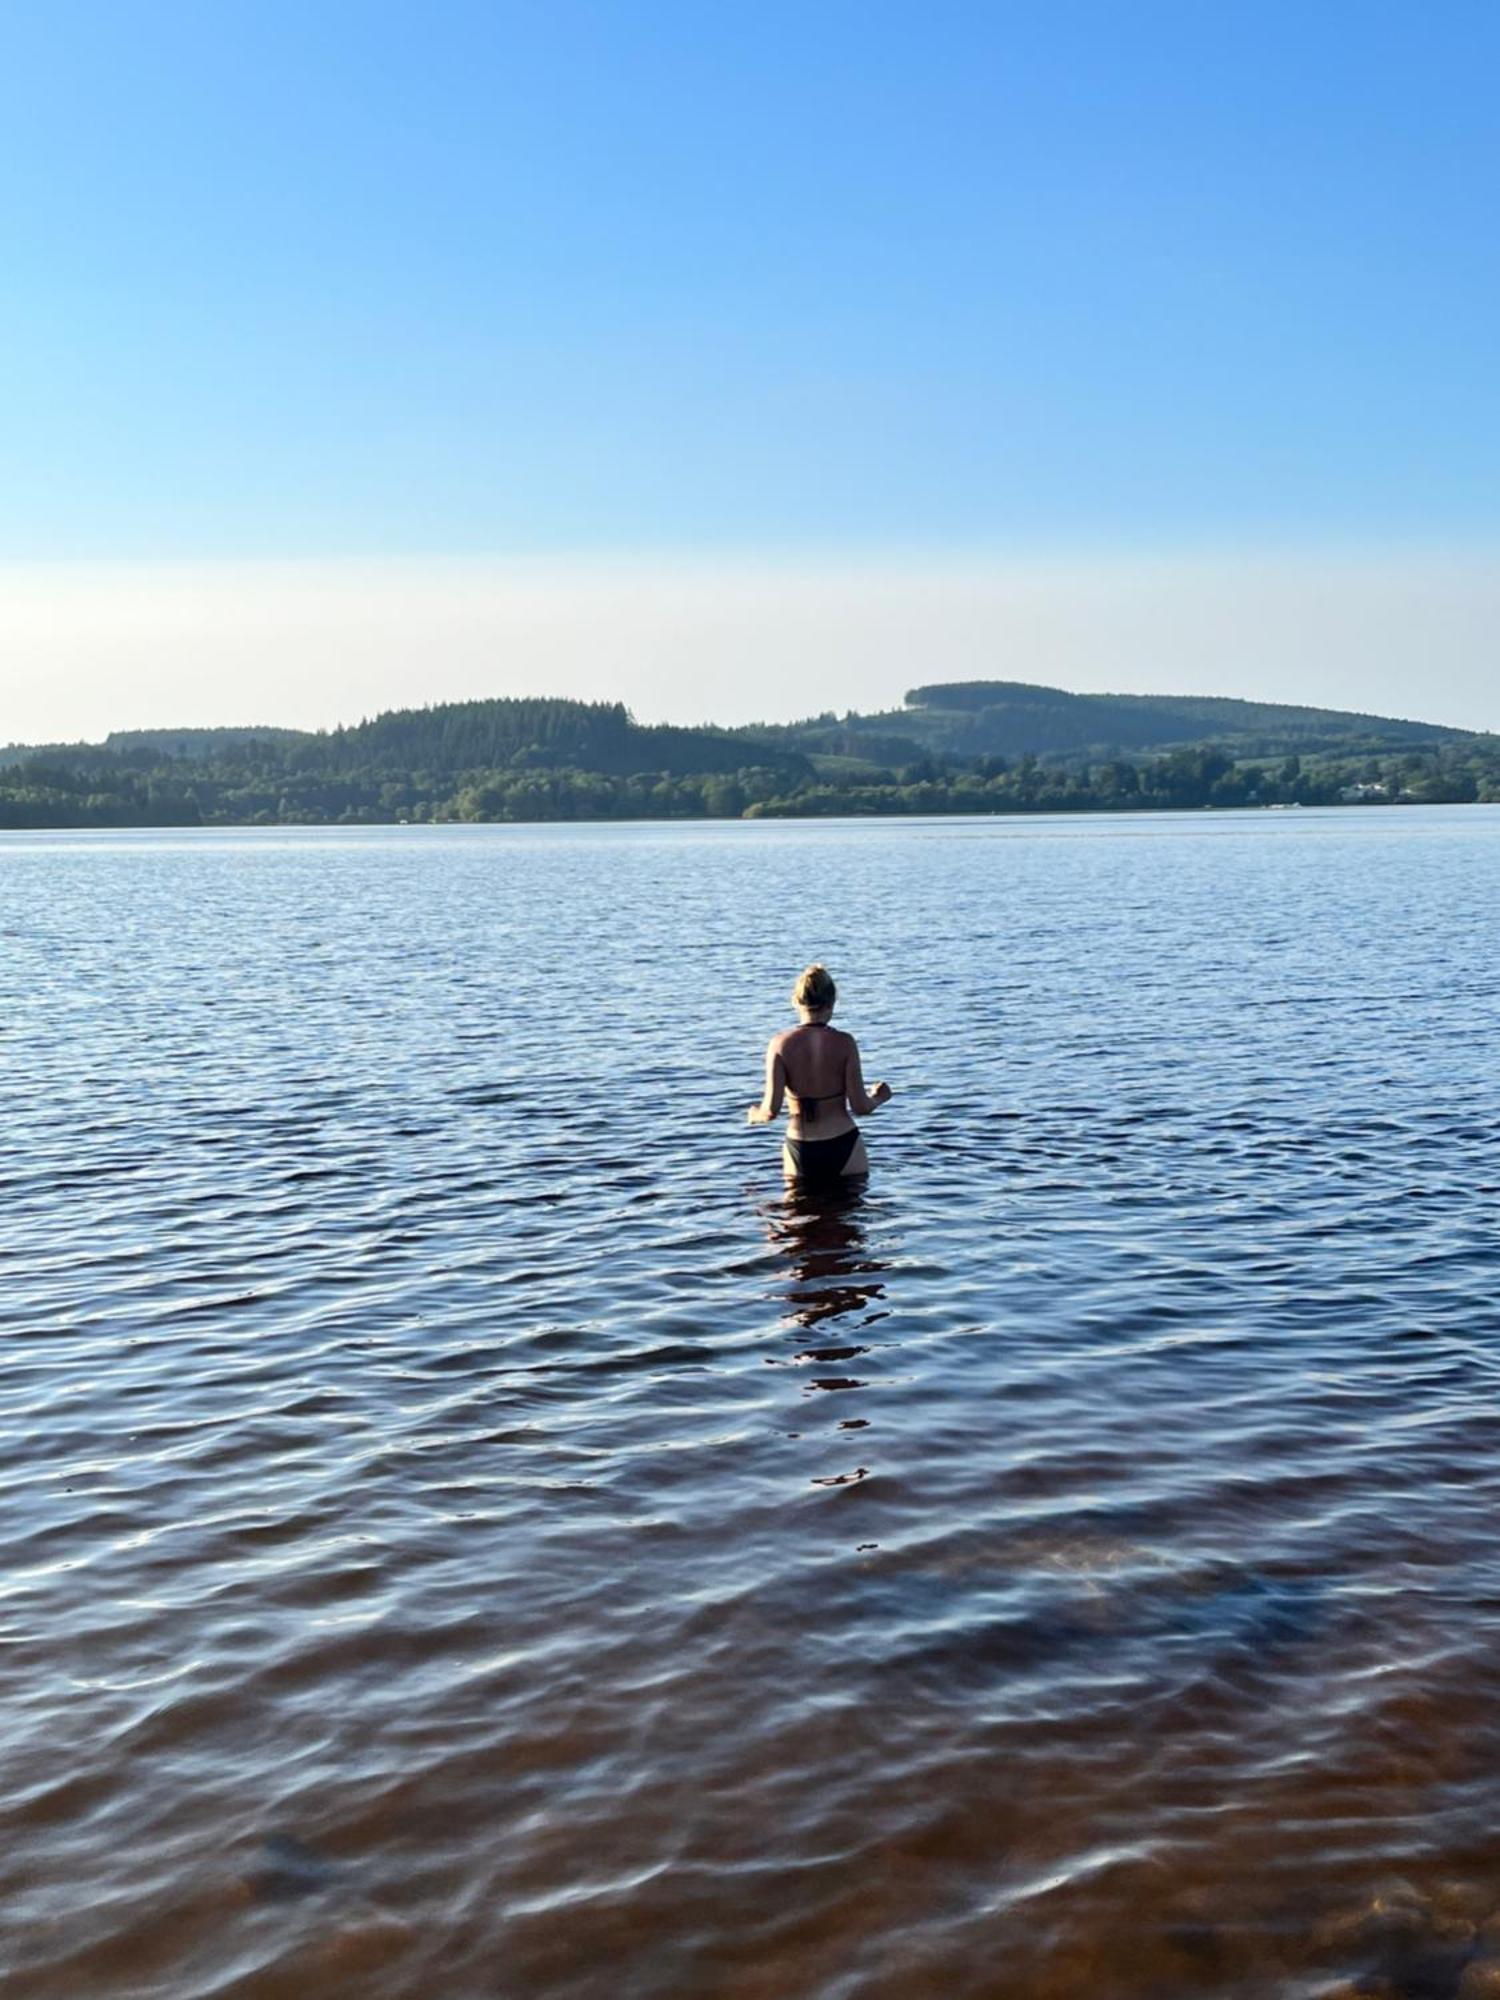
[470, 1533]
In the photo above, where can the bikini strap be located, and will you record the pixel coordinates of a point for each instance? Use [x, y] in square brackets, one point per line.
[828, 1097]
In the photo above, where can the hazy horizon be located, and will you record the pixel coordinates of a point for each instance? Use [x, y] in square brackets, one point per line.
[92, 648]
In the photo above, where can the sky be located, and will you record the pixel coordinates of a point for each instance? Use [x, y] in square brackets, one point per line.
[743, 361]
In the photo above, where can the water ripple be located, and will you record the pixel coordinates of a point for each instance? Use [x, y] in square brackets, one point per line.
[469, 1530]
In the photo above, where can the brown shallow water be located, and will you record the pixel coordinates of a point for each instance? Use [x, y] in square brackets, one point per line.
[468, 1537]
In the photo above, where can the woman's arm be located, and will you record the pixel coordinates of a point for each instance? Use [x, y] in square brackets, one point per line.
[861, 1101]
[770, 1103]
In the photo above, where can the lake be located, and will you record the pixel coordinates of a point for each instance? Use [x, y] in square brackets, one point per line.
[470, 1533]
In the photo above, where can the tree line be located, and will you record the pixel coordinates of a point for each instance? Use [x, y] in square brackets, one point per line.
[320, 780]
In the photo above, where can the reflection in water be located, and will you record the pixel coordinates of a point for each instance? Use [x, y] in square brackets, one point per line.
[823, 1239]
[833, 1277]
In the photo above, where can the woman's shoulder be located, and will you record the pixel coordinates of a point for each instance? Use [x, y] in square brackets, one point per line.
[824, 1030]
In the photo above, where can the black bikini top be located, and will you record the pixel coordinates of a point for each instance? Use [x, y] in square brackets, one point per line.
[808, 1106]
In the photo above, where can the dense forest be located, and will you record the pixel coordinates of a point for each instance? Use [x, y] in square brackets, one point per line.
[1012, 719]
[1008, 718]
[975, 747]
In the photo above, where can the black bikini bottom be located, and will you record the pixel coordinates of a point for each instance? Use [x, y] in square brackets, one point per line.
[822, 1159]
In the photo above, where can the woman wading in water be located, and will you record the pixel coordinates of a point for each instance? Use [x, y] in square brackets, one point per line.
[818, 1066]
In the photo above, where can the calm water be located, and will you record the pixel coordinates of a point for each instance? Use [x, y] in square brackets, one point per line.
[468, 1533]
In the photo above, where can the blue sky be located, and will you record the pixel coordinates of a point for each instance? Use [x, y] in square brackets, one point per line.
[334, 281]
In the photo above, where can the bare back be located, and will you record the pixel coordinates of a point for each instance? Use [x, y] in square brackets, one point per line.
[815, 1059]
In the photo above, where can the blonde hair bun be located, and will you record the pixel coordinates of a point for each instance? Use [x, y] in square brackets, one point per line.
[815, 989]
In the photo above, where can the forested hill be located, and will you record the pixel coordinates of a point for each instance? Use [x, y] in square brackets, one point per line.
[1018, 719]
[1013, 718]
[456, 737]
[500, 759]
[977, 746]
[544, 735]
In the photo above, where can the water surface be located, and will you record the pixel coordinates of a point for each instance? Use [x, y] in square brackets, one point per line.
[470, 1533]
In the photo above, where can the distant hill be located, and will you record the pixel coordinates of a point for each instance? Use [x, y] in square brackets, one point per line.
[1017, 718]
[199, 742]
[956, 746]
[499, 759]
[543, 735]
[446, 740]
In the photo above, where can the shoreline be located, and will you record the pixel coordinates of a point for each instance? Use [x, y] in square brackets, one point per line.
[736, 819]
